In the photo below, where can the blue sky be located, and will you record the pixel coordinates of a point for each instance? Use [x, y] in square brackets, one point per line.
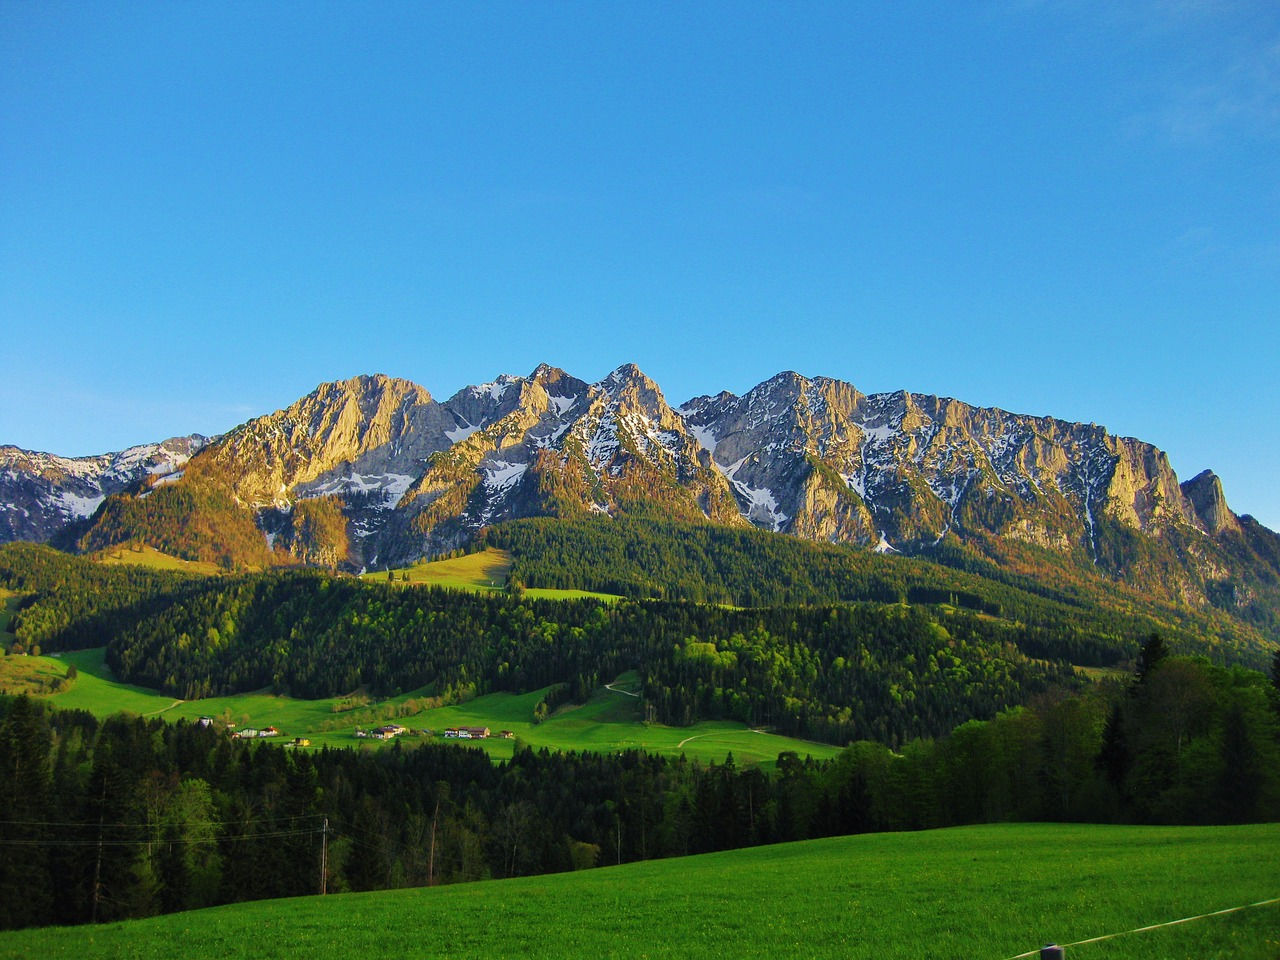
[1067, 208]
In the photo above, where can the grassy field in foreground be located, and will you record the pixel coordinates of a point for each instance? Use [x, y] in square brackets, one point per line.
[969, 892]
[483, 571]
[608, 722]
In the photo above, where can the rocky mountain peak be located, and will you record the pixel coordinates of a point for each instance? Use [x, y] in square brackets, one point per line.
[337, 423]
[629, 389]
[627, 375]
[1204, 490]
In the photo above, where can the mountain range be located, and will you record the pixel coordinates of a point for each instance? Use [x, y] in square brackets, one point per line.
[373, 471]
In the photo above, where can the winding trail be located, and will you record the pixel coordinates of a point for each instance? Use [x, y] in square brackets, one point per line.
[156, 713]
[627, 693]
[699, 736]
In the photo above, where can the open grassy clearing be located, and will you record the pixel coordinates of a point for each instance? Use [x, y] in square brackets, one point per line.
[36, 676]
[969, 892]
[483, 571]
[143, 555]
[94, 689]
[610, 721]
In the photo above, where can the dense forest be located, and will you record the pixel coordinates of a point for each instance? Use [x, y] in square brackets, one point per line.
[130, 817]
[879, 671]
[716, 564]
[72, 603]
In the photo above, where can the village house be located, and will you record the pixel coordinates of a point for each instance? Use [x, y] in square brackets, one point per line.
[268, 732]
[466, 733]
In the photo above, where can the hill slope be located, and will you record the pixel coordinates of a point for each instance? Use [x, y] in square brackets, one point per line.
[993, 891]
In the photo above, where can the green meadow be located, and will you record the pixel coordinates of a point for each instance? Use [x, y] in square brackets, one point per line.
[142, 555]
[483, 571]
[609, 721]
[989, 892]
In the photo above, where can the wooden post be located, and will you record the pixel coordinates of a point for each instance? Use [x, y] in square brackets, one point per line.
[324, 857]
[1051, 952]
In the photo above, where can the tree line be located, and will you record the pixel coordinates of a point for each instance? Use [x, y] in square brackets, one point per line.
[128, 817]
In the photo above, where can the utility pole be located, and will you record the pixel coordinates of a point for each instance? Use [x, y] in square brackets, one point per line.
[324, 857]
[431, 857]
[97, 863]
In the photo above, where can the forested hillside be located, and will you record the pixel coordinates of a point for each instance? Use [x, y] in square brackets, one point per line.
[1090, 620]
[186, 520]
[73, 603]
[831, 673]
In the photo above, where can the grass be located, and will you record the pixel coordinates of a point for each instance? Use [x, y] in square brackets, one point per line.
[29, 675]
[143, 555]
[991, 891]
[94, 689]
[609, 722]
[485, 571]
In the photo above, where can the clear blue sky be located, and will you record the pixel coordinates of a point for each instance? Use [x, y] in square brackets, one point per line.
[1067, 208]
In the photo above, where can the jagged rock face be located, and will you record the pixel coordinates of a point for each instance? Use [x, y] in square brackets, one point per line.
[550, 444]
[40, 493]
[811, 457]
[819, 459]
[351, 436]
[1204, 493]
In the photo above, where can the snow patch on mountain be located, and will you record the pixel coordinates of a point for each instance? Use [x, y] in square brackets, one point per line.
[762, 505]
[603, 443]
[392, 486]
[880, 434]
[705, 436]
[496, 389]
[884, 546]
[78, 506]
[501, 475]
[562, 405]
[458, 434]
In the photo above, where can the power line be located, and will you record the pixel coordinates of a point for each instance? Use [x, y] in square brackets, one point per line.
[212, 823]
[159, 841]
[1155, 926]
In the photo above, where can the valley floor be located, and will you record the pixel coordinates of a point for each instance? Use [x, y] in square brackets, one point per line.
[611, 720]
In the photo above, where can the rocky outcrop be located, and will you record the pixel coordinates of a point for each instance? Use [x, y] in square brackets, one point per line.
[352, 435]
[1204, 493]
